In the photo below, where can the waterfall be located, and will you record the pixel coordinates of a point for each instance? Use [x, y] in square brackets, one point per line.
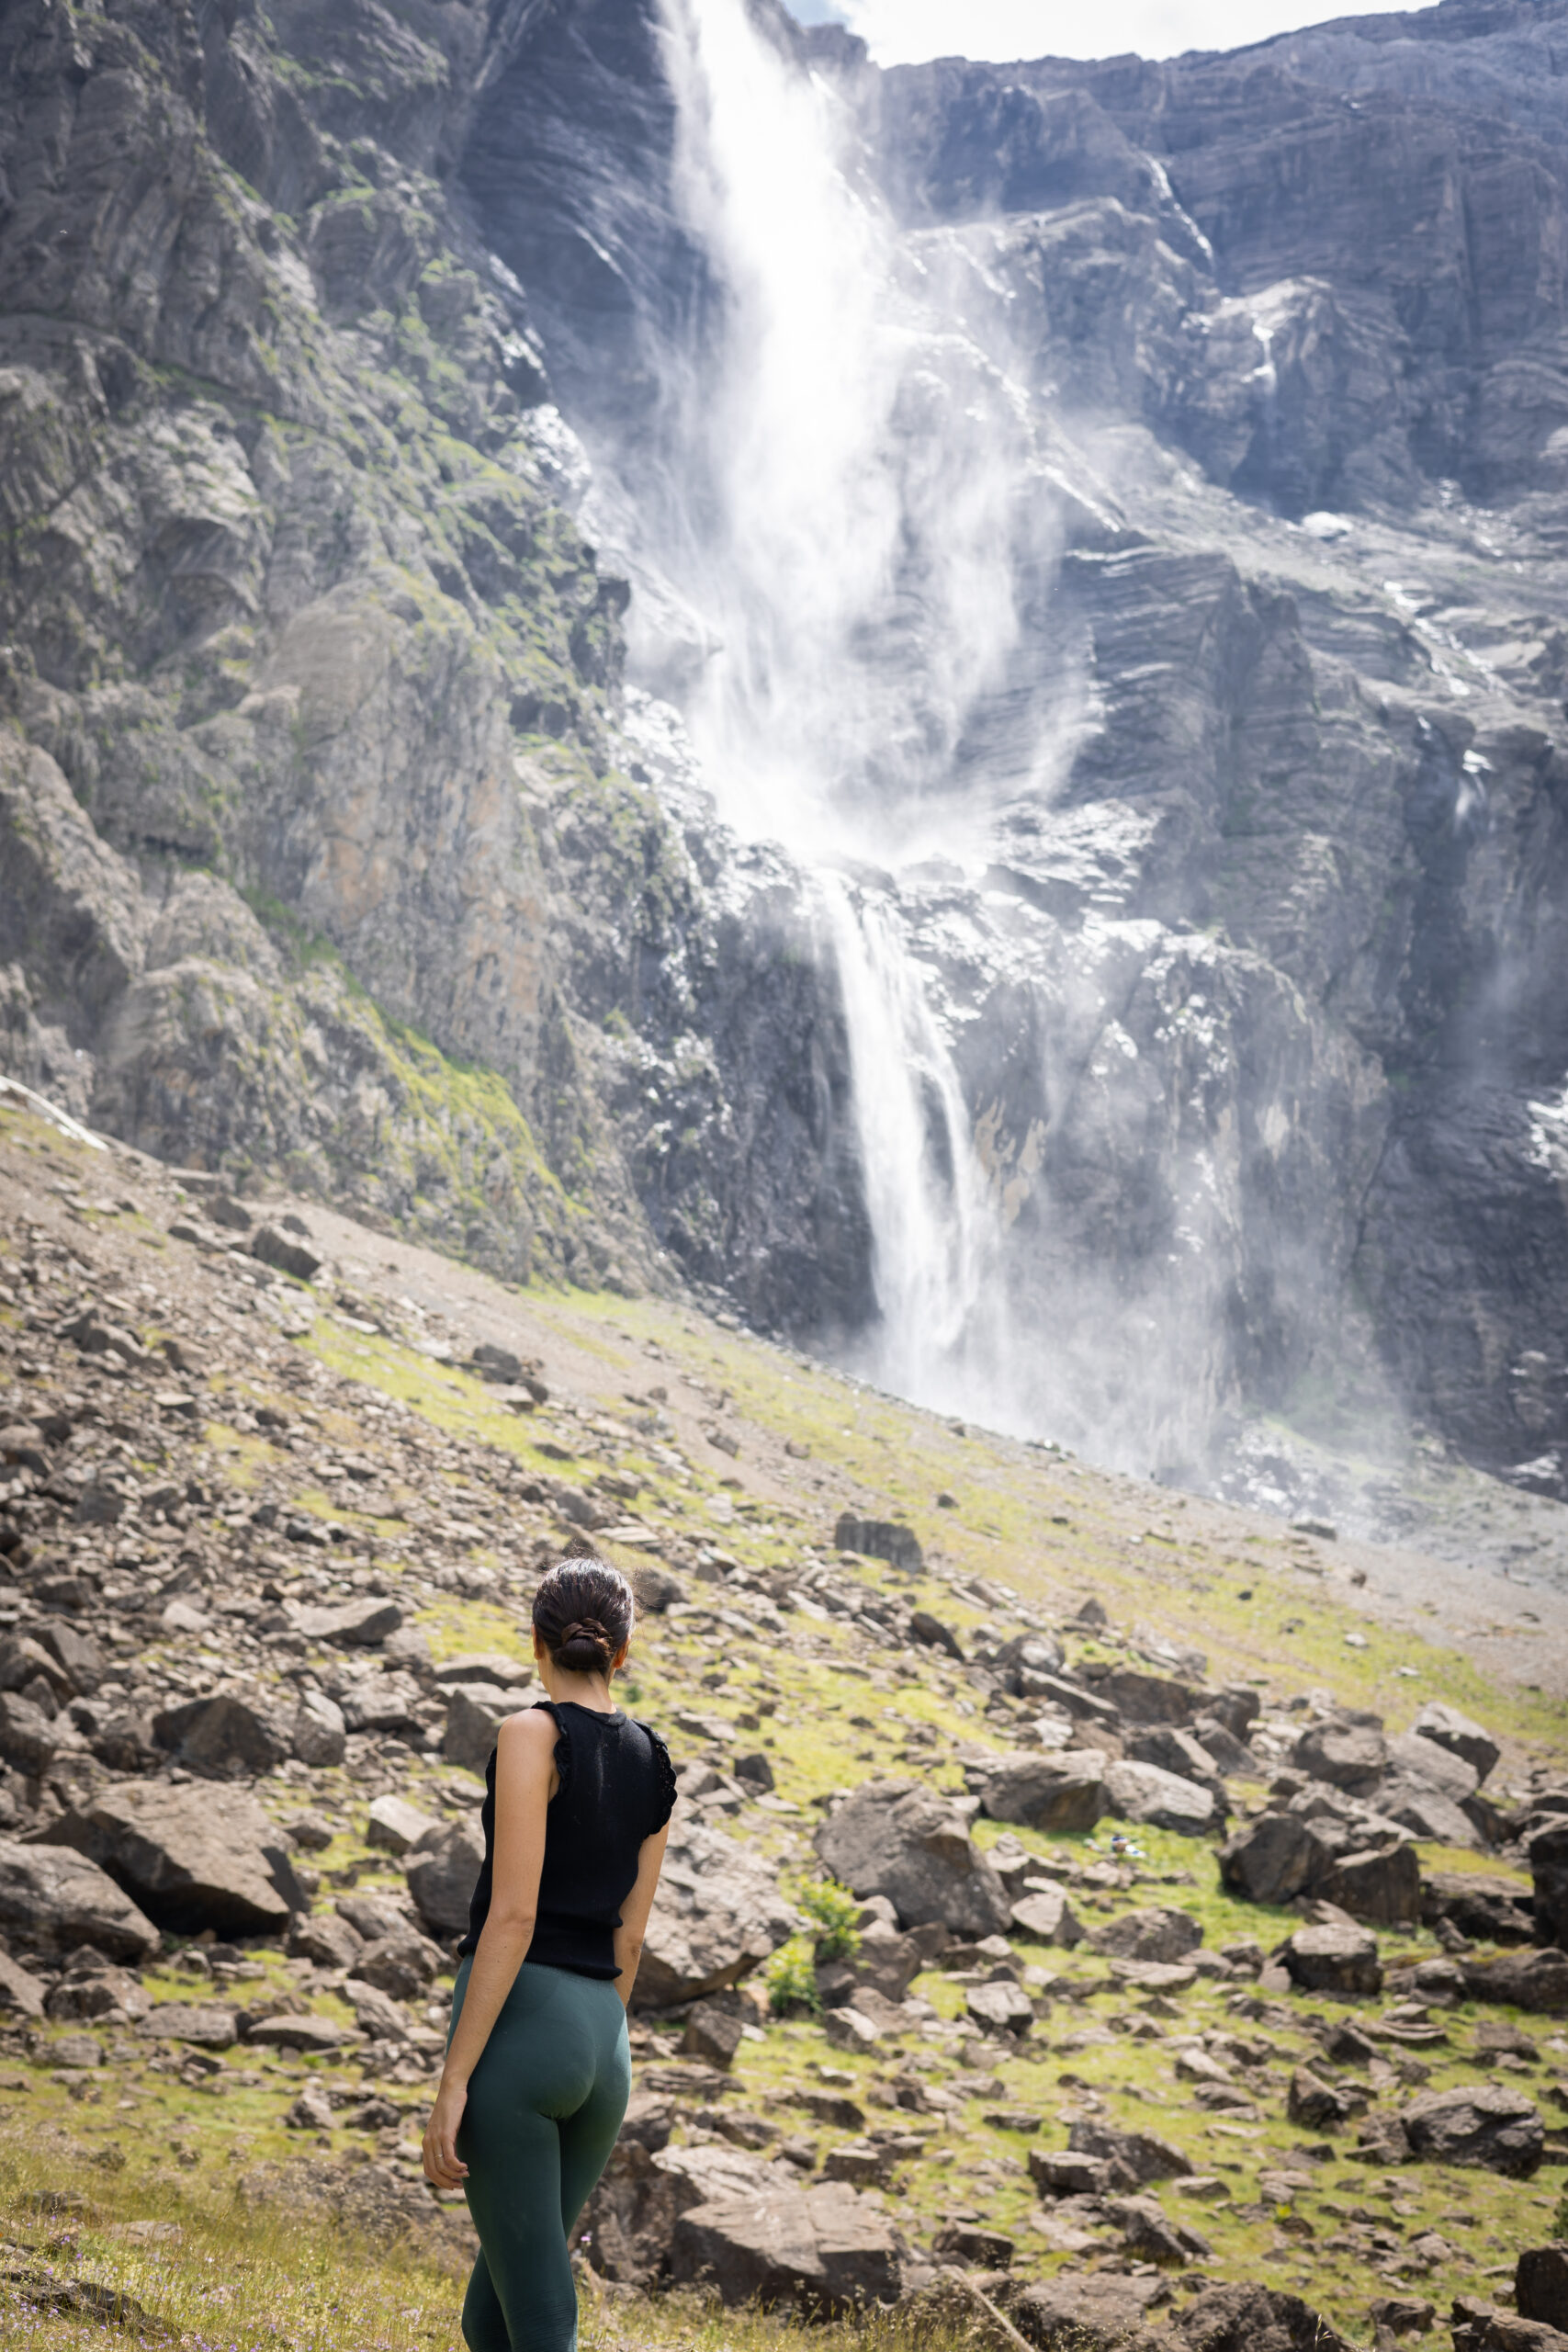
[836, 499]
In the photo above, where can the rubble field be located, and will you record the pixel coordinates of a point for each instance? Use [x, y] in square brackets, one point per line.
[1094, 1917]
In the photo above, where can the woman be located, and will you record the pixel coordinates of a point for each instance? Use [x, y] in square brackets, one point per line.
[539, 2071]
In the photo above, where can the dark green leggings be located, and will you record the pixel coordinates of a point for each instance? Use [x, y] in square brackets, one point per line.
[545, 2102]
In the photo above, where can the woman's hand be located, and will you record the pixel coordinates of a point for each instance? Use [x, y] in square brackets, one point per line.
[442, 2163]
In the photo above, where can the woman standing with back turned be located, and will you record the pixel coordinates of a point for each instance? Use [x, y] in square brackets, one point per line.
[539, 2071]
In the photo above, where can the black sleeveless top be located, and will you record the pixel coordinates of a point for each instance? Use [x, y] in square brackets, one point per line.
[617, 1786]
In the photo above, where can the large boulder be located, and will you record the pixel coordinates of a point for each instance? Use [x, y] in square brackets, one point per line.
[1484, 2123]
[1541, 2285]
[223, 1737]
[1382, 1886]
[1274, 1858]
[1092, 2312]
[193, 1856]
[631, 2218]
[1253, 2319]
[1175, 1750]
[1536, 1980]
[1158, 1799]
[1430, 1765]
[913, 1845]
[1334, 1959]
[1063, 1792]
[1156, 1933]
[357, 1624]
[52, 1900]
[1045, 1915]
[1446, 1727]
[717, 1914]
[1134, 2157]
[879, 1539]
[1488, 1910]
[1548, 1851]
[318, 1734]
[1427, 1812]
[441, 1871]
[21, 1993]
[1352, 1757]
[821, 2251]
[1147, 1698]
[475, 1713]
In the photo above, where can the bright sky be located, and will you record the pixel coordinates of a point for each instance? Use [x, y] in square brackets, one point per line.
[901, 32]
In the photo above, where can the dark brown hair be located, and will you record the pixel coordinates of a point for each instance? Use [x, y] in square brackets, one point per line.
[583, 1613]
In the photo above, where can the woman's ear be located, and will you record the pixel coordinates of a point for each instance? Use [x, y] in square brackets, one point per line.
[538, 1643]
[620, 1657]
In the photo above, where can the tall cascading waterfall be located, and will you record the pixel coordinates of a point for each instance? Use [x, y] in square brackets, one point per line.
[836, 509]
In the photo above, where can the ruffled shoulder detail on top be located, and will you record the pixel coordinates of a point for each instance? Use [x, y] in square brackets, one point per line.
[563, 1743]
[663, 1779]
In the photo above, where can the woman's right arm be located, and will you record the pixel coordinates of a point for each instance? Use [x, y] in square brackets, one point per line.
[629, 1934]
[524, 1773]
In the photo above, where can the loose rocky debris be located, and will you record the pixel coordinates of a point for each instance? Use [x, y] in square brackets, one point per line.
[259, 1624]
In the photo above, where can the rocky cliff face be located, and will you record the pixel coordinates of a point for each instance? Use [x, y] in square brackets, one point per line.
[332, 843]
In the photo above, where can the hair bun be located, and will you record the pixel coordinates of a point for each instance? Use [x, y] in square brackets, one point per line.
[583, 1611]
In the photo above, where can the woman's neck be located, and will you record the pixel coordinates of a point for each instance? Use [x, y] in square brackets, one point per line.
[590, 1690]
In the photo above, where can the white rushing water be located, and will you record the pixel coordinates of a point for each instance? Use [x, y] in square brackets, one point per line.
[839, 488]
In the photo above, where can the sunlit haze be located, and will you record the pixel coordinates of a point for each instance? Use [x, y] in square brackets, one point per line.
[901, 32]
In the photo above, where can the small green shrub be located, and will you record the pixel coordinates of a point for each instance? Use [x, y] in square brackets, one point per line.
[834, 1912]
[791, 1982]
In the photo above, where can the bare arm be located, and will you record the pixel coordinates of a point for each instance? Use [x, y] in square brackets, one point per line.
[526, 1781]
[634, 1910]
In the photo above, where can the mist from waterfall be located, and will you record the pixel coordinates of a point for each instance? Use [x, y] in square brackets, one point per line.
[840, 499]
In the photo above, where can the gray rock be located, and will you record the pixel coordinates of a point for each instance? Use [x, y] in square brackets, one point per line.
[385, 1703]
[475, 1713]
[879, 1539]
[1537, 1981]
[395, 1825]
[224, 1736]
[631, 2218]
[1486, 2123]
[1134, 2157]
[1235, 1707]
[1427, 1812]
[400, 1964]
[1157, 1933]
[305, 2033]
[357, 1624]
[54, 1899]
[912, 1845]
[717, 1914]
[1148, 2234]
[1029, 1663]
[1174, 1750]
[1548, 1851]
[376, 2012]
[713, 2032]
[1488, 1910]
[1142, 1698]
[318, 1734]
[1448, 1728]
[1142, 1793]
[1333, 1959]
[1064, 1792]
[289, 1257]
[1047, 1916]
[206, 2025]
[1001, 2007]
[441, 1874]
[1227, 1755]
[1274, 1858]
[77, 1657]
[21, 1994]
[331, 1942]
[1348, 1756]
[29, 1738]
[1070, 2176]
[1088, 2313]
[1255, 2319]
[1431, 1764]
[194, 1856]
[932, 1635]
[1382, 1886]
[821, 2251]
[1541, 2285]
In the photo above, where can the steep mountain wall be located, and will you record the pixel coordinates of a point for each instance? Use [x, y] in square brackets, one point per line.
[330, 842]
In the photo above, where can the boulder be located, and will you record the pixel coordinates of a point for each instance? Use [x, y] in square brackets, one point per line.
[1174, 1750]
[475, 1713]
[1092, 2312]
[206, 2025]
[975, 2249]
[1488, 1910]
[1485, 2123]
[1427, 1812]
[1237, 1705]
[1352, 1757]
[1446, 1727]
[821, 2251]
[193, 1856]
[717, 1914]
[1227, 1754]
[396, 1824]
[1158, 1799]
[286, 1255]
[1548, 1852]
[400, 1963]
[1069, 2176]
[331, 1942]
[884, 1959]
[21, 1994]
[1134, 2157]
[630, 2217]
[713, 2034]
[932, 1635]
[1045, 1915]
[879, 1539]
[1147, 1698]
[1001, 2007]
[1075, 1699]
[1334, 1959]
[1061, 1792]
[913, 1845]
[1318, 2103]
[1027, 1665]
[52, 1900]
[1541, 2285]
[441, 1871]
[1147, 2234]
[318, 1735]
[93, 1988]
[1428, 1765]
[1157, 1933]
[1536, 1980]
[223, 1737]
[1253, 2319]
[375, 2013]
[384, 1702]
[1274, 1858]
[305, 2033]
[29, 1738]
[1382, 1886]
[77, 1657]
[357, 1624]
[1492, 2331]
[22, 1660]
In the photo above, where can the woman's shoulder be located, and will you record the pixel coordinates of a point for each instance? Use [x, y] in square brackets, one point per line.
[536, 1725]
